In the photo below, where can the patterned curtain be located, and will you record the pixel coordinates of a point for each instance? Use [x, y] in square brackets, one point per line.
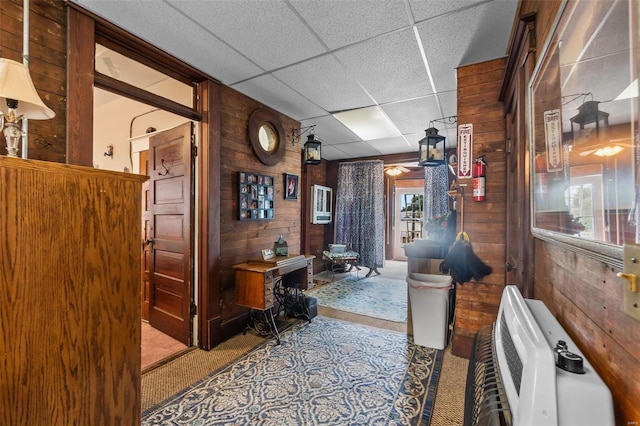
[360, 210]
[436, 201]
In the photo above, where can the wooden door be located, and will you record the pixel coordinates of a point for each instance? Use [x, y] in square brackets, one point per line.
[519, 240]
[515, 205]
[147, 239]
[170, 194]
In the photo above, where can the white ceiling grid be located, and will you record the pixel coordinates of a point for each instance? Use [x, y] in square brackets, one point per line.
[310, 58]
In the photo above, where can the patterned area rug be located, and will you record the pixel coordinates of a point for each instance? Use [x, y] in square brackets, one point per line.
[376, 297]
[327, 372]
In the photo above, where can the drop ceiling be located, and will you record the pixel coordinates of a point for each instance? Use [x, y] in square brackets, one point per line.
[309, 59]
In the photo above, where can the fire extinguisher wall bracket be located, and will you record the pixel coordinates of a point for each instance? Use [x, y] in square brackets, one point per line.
[479, 179]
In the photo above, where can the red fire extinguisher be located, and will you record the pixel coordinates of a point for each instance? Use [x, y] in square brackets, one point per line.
[479, 176]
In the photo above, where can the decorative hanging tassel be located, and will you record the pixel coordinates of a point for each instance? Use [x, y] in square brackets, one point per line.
[462, 263]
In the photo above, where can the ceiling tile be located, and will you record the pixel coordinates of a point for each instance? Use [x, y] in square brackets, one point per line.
[330, 130]
[390, 68]
[391, 145]
[176, 32]
[358, 149]
[500, 14]
[423, 10]
[332, 153]
[413, 116]
[324, 81]
[272, 92]
[341, 23]
[235, 21]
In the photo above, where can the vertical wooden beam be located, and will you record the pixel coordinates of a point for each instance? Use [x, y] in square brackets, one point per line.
[80, 58]
[209, 216]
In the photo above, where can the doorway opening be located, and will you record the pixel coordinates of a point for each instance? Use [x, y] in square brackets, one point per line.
[408, 214]
[123, 129]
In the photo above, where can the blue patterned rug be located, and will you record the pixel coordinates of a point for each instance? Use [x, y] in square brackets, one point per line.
[327, 372]
[376, 297]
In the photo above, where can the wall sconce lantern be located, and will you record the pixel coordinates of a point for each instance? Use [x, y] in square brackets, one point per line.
[22, 100]
[312, 150]
[431, 148]
[588, 115]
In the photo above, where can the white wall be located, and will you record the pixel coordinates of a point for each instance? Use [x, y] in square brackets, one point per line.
[116, 119]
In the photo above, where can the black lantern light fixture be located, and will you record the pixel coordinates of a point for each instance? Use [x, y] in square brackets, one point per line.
[431, 148]
[589, 117]
[312, 149]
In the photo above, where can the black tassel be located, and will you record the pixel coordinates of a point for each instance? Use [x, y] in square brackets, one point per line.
[463, 264]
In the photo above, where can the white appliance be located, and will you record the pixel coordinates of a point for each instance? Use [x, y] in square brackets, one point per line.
[526, 371]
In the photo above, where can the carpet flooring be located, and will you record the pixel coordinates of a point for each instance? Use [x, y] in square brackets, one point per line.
[377, 297]
[327, 372]
[171, 378]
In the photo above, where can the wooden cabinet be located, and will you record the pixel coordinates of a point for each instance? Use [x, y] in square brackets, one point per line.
[254, 288]
[69, 295]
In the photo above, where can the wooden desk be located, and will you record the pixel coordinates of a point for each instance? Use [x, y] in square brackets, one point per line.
[256, 279]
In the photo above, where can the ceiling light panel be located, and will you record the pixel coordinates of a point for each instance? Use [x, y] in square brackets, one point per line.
[368, 123]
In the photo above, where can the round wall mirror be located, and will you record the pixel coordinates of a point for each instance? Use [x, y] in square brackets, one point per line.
[266, 136]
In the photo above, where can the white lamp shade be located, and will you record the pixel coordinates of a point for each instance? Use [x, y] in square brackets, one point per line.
[15, 83]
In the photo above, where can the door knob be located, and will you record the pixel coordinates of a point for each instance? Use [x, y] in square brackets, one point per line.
[509, 267]
[148, 241]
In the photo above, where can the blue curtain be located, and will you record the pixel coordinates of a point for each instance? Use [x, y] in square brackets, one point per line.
[360, 210]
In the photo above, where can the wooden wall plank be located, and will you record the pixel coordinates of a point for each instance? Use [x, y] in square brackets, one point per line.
[47, 50]
[585, 294]
[477, 303]
[242, 240]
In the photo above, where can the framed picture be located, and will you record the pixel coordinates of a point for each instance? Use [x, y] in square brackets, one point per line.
[321, 209]
[255, 196]
[290, 187]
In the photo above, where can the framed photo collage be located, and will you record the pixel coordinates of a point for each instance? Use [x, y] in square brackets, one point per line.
[255, 196]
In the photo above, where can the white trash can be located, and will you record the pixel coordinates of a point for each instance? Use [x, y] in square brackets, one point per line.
[429, 299]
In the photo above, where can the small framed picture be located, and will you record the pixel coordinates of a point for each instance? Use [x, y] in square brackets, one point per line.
[267, 254]
[290, 187]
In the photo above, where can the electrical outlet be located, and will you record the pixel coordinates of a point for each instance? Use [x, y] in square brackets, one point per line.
[631, 276]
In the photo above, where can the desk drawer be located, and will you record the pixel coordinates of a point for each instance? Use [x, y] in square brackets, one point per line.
[268, 295]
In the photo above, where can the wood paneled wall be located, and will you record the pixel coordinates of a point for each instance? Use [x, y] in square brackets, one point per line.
[242, 240]
[315, 237]
[48, 67]
[477, 303]
[585, 295]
